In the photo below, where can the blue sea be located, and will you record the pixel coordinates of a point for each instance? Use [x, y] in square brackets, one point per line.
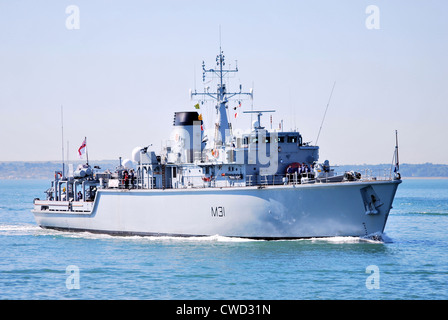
[410, 263]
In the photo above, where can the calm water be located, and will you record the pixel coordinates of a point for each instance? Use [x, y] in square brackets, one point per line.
[411, 264]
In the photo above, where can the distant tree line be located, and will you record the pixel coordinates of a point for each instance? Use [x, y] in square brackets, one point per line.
[407, 170]
[45, 170]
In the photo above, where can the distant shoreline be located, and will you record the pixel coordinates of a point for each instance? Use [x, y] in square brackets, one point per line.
[49, 178]
[46, 170]
[413, 178]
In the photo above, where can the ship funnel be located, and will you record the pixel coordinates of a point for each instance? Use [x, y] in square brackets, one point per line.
[186, 136]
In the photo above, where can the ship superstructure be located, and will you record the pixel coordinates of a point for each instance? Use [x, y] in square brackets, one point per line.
[257, 183]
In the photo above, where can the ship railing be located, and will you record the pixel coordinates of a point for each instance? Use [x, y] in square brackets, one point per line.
[129, 184]
[279, 179]
[136, 183]
[62, 205]
[381, 174]
[248, 180]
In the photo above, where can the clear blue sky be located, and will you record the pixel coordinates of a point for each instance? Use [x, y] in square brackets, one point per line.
[128, 68]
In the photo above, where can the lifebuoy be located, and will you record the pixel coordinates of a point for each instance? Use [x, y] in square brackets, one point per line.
[215, 153]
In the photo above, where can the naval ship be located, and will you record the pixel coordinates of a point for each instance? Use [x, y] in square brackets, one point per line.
[258, 184]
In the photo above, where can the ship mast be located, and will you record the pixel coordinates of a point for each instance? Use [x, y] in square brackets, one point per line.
[222, 97]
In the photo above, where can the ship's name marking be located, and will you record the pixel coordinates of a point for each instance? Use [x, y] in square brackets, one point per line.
[218, 212]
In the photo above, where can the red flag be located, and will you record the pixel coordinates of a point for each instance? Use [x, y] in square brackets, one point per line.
[82, 148]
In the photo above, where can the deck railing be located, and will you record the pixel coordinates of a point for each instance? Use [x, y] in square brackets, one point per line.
[250, 180]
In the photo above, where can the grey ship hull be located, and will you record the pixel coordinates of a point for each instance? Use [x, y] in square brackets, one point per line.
[275, 212]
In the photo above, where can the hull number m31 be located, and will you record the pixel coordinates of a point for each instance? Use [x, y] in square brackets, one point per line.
[218, 212]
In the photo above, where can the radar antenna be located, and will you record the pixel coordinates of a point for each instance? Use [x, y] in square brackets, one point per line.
[259, 114]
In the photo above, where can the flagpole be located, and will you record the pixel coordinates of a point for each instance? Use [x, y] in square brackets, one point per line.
[62, 144]
[68, 160]
[87, 153]
[397, 163]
